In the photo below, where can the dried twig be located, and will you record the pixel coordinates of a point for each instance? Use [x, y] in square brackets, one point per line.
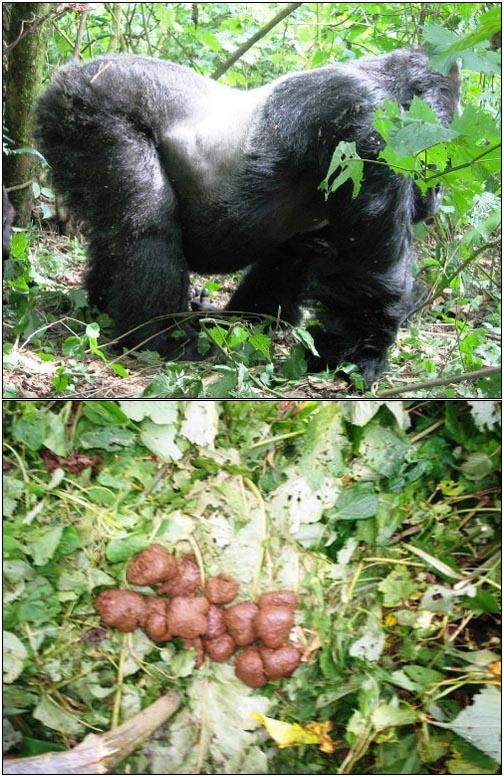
[483, 373]
[99, 754]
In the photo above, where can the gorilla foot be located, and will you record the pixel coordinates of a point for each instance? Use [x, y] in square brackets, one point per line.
[370, 368]
[179, 343]
[199, 300]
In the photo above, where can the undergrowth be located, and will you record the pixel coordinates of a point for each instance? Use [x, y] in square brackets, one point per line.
[383, 516]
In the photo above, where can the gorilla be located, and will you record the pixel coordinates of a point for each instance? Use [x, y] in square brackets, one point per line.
[170, 171]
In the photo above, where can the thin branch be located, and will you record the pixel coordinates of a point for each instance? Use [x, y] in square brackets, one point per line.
[483, 373]
[257, 36]
[80, 34]
[462, 166]
[29, 25]
[439, 286]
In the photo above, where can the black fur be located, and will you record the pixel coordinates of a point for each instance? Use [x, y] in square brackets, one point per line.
[170, 171]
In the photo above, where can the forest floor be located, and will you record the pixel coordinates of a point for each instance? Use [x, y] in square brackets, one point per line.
[49, 355]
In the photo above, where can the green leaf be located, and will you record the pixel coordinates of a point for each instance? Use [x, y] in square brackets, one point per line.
[355, 502]
[348, 166]
[423, 675]
[449, 46]
[398, 755]
[16, 696]
[386, 716]
[469, 760]
[14, 657]
[161, 440]
[236, 336]
[93, 330]
[13, 491]
[96, 578]
[61, 380]
[105, 413]
[433, 747]
[125, 547]
[382, 449]
[218, 334]
[44, 547]
[396, 587]
[408, 135]
[70, 541]
[419, 130]
[160, 412]
[17, 570]
[401, 679]
[30, 429]
[370, 644]
[108, 438]
[325, 445]
[101, 496]
[228, 728]
[438, 598]
[119, 370]
[225, 386]
[74, 346]
[477, 466]
[484, 601]
[56, 438]
[305, 338]
[53, 716]
[210, 40]
[480, 723]
[295, 365]
[73, 580]
[261, 343]
[40, 605]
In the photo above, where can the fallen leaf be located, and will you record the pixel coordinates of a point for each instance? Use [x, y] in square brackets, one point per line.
[293, 734]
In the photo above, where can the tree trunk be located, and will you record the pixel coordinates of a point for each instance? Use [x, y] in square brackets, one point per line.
[26, 41]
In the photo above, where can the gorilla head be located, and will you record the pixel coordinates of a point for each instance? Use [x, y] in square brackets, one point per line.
[171, 172]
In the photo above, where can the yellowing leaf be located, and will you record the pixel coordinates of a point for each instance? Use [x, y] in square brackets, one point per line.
[451, 488]
[495, 668]
[322, 729]
[292, 734]
[286, 734]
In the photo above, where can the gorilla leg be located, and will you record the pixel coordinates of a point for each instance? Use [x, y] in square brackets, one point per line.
[358, 309]
[108, 168]
[266, 289]
[359, 315]
[275, 285]
[145, 277]
[137, 270]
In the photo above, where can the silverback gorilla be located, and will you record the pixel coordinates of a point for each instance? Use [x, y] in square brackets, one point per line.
[170, 171]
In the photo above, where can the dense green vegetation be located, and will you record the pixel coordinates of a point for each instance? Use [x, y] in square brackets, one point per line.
[383, 516]
[54, 350]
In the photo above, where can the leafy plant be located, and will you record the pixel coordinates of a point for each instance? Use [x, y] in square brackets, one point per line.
[382, 515]
[455, 330]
